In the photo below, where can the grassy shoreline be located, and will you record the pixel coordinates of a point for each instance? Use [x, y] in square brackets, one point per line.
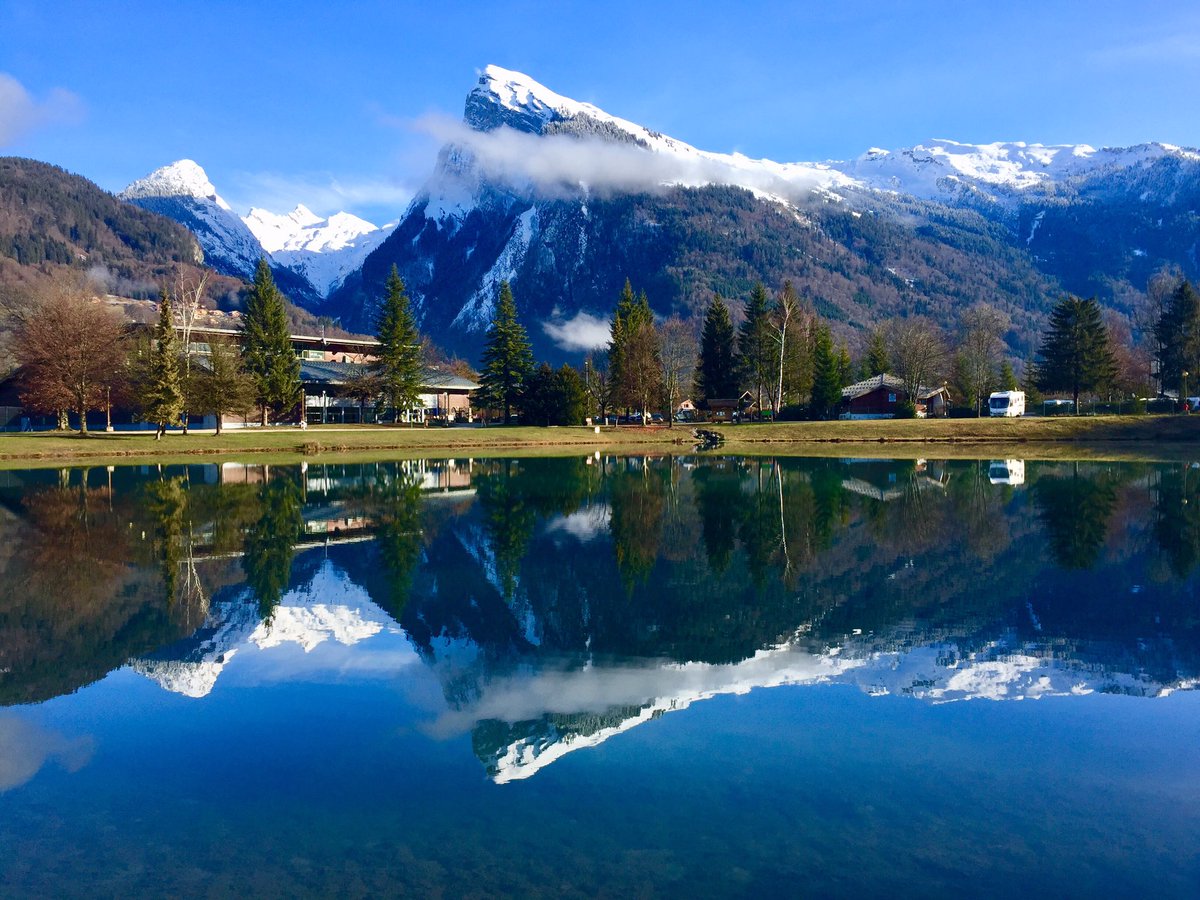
[1108, 437]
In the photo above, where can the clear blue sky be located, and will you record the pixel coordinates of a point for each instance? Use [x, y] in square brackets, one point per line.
[313, 102]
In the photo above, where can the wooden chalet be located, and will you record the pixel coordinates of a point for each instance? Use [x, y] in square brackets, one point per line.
[878, 397]
[731, 409]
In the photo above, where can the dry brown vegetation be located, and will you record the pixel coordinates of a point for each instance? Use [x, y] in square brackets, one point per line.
[1108, 436]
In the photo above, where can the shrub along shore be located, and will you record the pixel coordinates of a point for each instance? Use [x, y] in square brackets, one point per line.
[1170, 437]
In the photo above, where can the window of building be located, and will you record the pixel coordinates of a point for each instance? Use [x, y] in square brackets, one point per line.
[891, 398]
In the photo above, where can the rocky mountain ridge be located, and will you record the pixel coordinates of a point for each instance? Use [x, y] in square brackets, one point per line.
[310, 255]
[565, 201]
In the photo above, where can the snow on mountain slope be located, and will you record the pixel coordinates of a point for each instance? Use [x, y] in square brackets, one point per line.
[182, 191]
[941, 167]
[613, 150]
[929, 171]
[330, 607]
[321, 251]
[554, 698]
[184, 178]
[324, 251]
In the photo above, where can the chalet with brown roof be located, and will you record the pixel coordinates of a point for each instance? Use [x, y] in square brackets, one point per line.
[879, 396]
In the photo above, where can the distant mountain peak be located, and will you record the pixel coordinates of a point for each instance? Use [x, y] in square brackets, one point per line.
[531, 101]
[183, 178]
[323, 250]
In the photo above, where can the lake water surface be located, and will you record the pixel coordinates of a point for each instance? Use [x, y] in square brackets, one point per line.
[688, 676]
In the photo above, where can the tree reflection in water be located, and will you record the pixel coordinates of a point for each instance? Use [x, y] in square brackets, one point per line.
[690, 559]
[1075, 509]
[271, 539]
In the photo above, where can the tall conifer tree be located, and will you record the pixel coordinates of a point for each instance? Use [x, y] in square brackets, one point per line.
[267, 346]
[618, 345]
[756, 345]
[827, 374]
[1076, 355]
[399, 365]
[635, 359]
[1178, 335]
[716, 374]
[162, 393]
[875, 361]
[507, 357]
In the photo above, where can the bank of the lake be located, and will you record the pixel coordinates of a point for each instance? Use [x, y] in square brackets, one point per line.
[1160, 437]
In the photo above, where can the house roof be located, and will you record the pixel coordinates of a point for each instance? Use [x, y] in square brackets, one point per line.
[447, 381]
[746, 398]
[874, 383]
[322, 372]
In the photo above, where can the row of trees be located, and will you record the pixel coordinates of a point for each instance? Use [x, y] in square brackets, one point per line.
[785, 356]
[77, 355]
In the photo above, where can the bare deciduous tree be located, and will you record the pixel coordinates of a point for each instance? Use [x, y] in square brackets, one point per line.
[598, 383]
[71, 349]
[918, 353]
[187, 300]
[779, 324]
[981, 344]
[642, 366]
[679, 348]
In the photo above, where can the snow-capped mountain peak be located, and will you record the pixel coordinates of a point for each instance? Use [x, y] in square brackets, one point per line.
[321, 250]
[518, 92]
[182, 191]
[183, 178]
[922, 170]
[324, 251]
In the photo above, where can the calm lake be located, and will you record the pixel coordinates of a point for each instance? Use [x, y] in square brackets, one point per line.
[688, 676]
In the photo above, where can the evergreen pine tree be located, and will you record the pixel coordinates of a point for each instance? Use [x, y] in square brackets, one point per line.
[716, 373]
[267, 346]
[827, 376]
[756, 345]
[223, 388]
[1076, 355]
[507, 357]
[876, 361]
[618, 340]
[1178, 334]
[1007, 378]
[844, 366]
[399, 365]
[161, 391]
[634, 357]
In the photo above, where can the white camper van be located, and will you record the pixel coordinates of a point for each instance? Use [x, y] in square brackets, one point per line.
[1007, 403]
[1006, 471]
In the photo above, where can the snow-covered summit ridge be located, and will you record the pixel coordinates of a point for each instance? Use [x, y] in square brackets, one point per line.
[183, 178]
[324, 251]
[929, 170]
[1015, 165]
[302, 229]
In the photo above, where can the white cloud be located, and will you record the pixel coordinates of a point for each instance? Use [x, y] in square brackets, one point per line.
[21, 114]
[560, 164]
[25, 747]
[581, 332]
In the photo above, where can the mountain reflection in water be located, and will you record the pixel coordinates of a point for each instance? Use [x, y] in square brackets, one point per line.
[561, 601]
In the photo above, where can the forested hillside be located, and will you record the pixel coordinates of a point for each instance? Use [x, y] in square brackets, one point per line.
[51, 218]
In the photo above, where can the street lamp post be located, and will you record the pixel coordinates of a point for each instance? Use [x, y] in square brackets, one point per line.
[1183, 391]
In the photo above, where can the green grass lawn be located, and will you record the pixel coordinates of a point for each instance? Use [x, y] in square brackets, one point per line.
[1174, 436]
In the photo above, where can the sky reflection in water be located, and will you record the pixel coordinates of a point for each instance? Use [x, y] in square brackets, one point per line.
[474, 676]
